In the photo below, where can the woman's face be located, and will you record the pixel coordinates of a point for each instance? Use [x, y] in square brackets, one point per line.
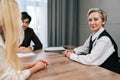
[95, 21]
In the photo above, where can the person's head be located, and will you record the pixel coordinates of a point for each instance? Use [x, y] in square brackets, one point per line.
[26, 19]
[96, 19]
[10, 23]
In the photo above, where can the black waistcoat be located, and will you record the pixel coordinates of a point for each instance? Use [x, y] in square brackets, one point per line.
[112, 63]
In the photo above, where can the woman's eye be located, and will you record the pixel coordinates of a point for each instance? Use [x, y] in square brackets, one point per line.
[89, 19]
[95, 19]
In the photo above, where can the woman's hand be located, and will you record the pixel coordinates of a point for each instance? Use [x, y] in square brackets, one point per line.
[71, 51]
[68, 53]
[42, 60]
[30, 65]
[38, 65]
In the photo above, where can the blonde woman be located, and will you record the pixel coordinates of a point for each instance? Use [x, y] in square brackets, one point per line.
[10, 67]
[100, 48]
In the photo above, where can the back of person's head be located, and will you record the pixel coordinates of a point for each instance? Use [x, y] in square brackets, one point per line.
[25, 15]
[10, 23]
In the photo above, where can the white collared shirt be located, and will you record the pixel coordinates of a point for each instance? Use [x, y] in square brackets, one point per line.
[102, 49]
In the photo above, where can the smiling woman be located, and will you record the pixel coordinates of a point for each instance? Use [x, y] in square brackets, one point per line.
[100, 48]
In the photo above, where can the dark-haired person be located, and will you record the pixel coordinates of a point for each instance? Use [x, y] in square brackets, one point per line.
[100, 48]
[29, 35]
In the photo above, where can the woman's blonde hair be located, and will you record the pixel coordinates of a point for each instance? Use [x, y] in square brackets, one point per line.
[103, 13]
[10, 22]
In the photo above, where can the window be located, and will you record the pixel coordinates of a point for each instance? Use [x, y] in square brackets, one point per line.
[37, 9]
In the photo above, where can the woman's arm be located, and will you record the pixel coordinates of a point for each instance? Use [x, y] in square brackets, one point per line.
[100, 52]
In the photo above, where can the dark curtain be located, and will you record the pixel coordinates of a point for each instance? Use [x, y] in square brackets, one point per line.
[63, 20]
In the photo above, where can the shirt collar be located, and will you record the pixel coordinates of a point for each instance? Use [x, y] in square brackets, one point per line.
[95, 35]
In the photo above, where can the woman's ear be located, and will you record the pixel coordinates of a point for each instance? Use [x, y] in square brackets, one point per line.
[103, 23]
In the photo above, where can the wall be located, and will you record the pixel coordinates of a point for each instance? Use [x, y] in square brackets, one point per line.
[112, 8]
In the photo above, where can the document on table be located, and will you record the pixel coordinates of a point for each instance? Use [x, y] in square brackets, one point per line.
[26, 54]
[54, 49]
